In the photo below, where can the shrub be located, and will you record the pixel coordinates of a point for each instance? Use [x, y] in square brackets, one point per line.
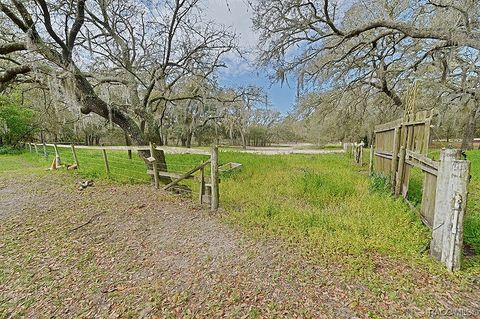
[16, 122]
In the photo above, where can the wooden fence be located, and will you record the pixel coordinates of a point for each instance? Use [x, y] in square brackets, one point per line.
[403, 144]
[209, 186]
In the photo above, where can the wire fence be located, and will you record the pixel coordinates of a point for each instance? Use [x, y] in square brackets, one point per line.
[130, 164]
[91, 162]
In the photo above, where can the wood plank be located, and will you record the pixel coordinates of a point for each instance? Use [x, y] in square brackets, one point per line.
[426, 136]
[427, 208]
[443, 197]
[422, 167]
[75, 158]
[401, 168]
[370, 162]
[452, 247]
[153, 161]
[167, 174]
[423, 159]
[186, 175]
[406, 180]
[214, 178]
[202, 184]
[384, 154]
[105, 160]
[396, 149]
[388, 126]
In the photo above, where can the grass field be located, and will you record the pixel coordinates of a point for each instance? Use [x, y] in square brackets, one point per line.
[322, 204]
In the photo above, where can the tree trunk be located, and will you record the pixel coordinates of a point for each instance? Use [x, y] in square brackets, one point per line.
[189, 139]
[90, 102]
[244, 140]
[471, 126]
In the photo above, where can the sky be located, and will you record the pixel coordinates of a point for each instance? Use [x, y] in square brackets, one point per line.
[241, 72]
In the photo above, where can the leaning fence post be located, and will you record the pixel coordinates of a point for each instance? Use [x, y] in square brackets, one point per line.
[75, 158]
[105, 159]
[399, 175]
[360, 155]
[370, 163]
[214, 178]
[450, 206]
[57, 156]
[45, 150]
[202, 184]
[394, 163]
[36, 148]
[153, 160]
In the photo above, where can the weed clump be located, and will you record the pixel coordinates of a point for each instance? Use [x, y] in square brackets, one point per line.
[379, 183]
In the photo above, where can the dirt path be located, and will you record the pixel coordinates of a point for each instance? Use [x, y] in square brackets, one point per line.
[130, 251]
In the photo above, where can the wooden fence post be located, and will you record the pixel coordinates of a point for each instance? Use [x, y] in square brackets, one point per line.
[153, 160]
[75, 158]
[58, 162]
[396, 148]
[202, 184]
[360, 155]
[105, 159]
[426, 137]
[36, 148]
[30, 147]
[450, 206]
[214, 178]
[45, 150]
[370, 163]
[399, 175]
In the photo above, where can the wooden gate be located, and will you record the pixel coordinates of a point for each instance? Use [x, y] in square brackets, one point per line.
[403, 144]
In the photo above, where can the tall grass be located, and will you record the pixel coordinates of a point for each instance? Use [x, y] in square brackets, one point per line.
[321, 203]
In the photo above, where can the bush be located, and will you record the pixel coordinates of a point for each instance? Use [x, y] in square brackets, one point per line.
[16, 122]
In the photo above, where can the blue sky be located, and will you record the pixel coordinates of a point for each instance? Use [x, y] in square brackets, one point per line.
[241, 71]
[280, 97]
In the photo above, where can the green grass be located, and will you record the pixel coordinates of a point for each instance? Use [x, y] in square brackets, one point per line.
[323, 204]
[472, 219]
[92, 165]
